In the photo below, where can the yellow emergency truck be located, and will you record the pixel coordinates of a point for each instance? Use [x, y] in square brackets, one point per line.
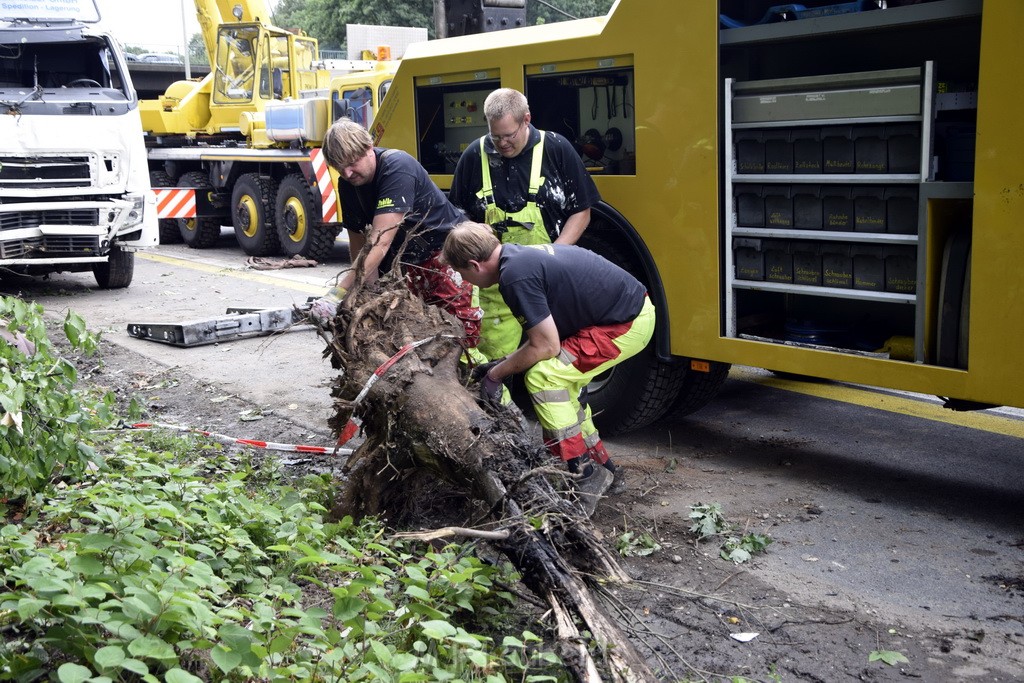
[832, 190]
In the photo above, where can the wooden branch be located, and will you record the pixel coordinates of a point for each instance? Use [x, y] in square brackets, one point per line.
[449, 531]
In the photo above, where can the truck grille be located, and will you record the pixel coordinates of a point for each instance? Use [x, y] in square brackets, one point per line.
[42, 172]
[33, 219]
[48, 246]
[54, 245]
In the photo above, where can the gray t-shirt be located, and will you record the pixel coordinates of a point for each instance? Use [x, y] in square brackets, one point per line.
[575, 286]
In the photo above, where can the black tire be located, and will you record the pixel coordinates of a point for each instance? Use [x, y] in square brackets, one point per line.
[637, 391]
[169, 232]
[198, 233]
[299, 227]
[698, 388]
[252, 214]
[117, 271]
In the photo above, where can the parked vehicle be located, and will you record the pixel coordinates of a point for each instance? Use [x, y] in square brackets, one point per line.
[74, 190]
[820, 191]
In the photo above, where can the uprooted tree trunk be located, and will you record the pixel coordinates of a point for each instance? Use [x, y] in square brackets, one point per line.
[419, 421]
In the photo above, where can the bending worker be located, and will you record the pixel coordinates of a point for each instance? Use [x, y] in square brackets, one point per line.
[582, 315]
[530, 186]
[387, 195]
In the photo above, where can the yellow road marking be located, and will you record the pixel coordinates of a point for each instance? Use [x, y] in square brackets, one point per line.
[233, 272]
[987, 422]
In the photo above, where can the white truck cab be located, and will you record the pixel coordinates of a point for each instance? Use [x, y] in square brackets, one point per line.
[74, 183]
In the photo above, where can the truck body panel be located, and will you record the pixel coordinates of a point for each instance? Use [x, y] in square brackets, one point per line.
[661, 74]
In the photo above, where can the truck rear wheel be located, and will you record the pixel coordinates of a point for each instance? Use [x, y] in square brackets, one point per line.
[252, 214]
[198, 233]
[169, 232]
[117, 271]
[697, 389]
[298, 221]
[638, 391]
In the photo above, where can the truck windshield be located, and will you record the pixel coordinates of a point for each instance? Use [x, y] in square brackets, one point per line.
[58, 77]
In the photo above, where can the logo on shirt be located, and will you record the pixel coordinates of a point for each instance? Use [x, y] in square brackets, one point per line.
[385, 203]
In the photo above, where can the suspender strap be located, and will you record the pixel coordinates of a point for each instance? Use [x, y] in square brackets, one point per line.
[536, 179]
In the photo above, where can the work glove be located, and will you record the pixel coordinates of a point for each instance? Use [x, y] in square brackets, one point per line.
[490, 389]
[323, 310]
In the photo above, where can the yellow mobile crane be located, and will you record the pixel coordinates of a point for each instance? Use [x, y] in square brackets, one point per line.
[241, 145]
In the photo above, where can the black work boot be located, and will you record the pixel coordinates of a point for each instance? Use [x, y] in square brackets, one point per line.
[618, 481]
[594, 483]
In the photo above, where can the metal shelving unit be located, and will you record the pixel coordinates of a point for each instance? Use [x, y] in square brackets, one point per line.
[864, 101]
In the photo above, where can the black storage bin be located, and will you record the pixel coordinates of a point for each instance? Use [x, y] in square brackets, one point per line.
[870, 150]
[901, 269]
[778, 152]
[837, 152]
[836, 265]
[778, 206]
[749, 151]
[903, 142]
[807, 150]
[901, 210]
[807, 207]
[806, 263]
[748, 258]
[749, 206]
[836, 208]
[778, 261]
[869, 267]
[869, 209]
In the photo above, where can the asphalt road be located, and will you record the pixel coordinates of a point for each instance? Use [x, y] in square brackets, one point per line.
[884, 501]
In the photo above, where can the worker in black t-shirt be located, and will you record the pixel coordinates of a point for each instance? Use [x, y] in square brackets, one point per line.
[388, 201]
[582, 315]
[530, 186]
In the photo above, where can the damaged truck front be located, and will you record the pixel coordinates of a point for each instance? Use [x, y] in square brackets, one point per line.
[74, 185]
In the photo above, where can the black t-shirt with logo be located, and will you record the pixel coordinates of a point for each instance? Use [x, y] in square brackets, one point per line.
[402, 186]
[575, 286]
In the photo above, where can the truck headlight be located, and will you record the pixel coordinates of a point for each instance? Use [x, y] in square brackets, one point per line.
[136, 211]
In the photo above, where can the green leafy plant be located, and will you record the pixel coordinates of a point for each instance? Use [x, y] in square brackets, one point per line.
[708, 521]
[44, 419]
[631, 544]
[890, 657]
[740, 549]
[181, 562]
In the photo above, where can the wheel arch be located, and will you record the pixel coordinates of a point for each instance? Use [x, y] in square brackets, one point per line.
[609, 224]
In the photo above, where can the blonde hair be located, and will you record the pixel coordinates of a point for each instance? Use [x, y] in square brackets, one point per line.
[345, 142]
[505, 101]
[468, 241]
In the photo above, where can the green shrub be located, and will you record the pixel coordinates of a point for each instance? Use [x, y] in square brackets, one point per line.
[44, 420]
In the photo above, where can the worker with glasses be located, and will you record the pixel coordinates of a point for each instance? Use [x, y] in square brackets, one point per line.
[530, 186]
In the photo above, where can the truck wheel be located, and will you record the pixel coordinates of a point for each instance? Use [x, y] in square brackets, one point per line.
[697, 390]
[198, 233]
[298, 221]
[117, 271]
[252, 214]
[639, 390]
[169, 232]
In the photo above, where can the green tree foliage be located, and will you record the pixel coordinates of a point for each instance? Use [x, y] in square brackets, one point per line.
[326, 19]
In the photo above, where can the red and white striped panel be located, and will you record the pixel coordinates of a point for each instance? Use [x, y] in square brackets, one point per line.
[173, 202]
[328, 201]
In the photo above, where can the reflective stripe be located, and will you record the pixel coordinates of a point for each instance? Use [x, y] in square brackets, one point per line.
[328, 200]
[172, 202]
[552, 396]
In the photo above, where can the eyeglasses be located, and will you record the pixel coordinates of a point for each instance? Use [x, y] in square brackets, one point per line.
[507, 137]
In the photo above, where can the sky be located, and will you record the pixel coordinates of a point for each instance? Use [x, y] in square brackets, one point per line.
[153, 24]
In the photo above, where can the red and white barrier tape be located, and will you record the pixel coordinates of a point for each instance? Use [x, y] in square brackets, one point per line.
[354, 423]
[268, 445]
